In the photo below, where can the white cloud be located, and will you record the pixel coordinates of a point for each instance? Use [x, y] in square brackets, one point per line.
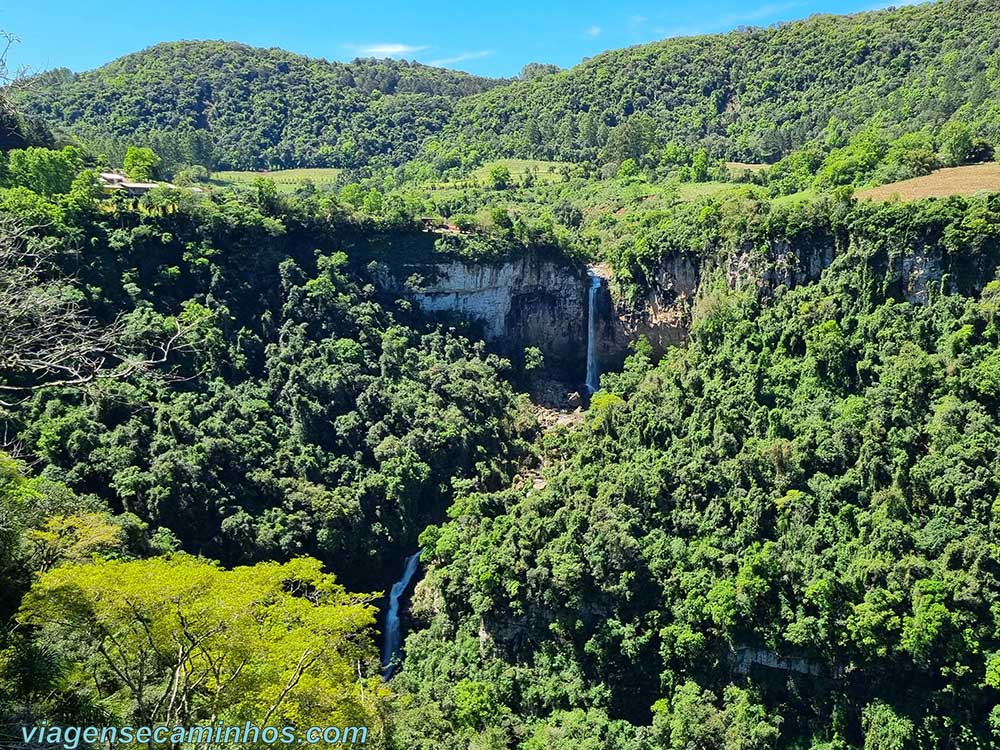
[594, 31]
[761, 12]
[723, 23]
[462, 57]
[388, 49]
[893, 4]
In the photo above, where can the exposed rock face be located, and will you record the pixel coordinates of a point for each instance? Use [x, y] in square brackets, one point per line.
[525, 301]
[919, 271]
[663, 318]
[744, 659]
[533, 300]
[536, 301]
[781, 265]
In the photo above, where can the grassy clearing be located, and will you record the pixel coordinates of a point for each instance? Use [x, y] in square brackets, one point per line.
[287, 180]
[544, 171]
[737, 167]
[967, 180]
[690, 191]
[803, 196]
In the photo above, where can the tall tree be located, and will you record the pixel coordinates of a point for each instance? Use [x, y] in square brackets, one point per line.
[179, 640]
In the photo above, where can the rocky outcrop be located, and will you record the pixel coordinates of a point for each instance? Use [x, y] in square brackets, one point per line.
[541, 300]
[663, 317]
[780, 265]
[744, 659]
[529, 300]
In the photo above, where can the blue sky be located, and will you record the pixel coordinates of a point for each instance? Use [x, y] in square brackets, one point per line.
[486, 38]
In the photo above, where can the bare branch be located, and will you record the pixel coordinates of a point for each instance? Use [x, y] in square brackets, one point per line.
[11, 81]
[47, 337]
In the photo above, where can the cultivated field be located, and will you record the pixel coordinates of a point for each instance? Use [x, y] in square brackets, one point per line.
[967, 180]
[287, 180]
[737, 167]
[544, 171]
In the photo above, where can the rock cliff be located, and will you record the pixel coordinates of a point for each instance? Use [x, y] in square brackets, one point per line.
[541, 300]
[529, 300]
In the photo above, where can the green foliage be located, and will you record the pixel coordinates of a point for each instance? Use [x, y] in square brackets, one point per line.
[141, 163]
[44, 171]
[179, 640]
[756, 94]
[780, 536]
[885, 730]
[752, 95]
[567, 214]
[344, 114]
[956, 143]
[627, 169]
[284, 354]
[191, 175]
[533, 358]
[498, 177]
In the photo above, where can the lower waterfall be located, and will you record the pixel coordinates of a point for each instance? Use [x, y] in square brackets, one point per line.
[593, 371]
[393, 635]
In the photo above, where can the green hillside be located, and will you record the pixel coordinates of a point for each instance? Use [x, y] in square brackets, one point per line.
[750, 95]
[695, 429]
[263, 108]
[755, 94]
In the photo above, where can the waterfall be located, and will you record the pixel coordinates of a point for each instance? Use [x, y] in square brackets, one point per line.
[393, 636]
[593, 372]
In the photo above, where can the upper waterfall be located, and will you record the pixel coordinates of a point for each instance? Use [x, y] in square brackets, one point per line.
[593, 371]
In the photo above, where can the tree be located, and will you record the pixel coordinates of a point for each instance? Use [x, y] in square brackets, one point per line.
[535, 70]
[499, 177]
[633, 139]
[180, 640]
[141, 163]
[191, 175]
[47, 336]
[567, 214]
[699, 166]
[43, 170]
[372, 203]
[885, 729]
[75, 537]
[628, 169]
[533, 358]
[695, 722]
[501, 220]
[956, 143]
[15, 495]
[353, 194]
[16, 129]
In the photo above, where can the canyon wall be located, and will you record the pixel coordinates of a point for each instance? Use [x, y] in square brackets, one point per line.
[541, 300]
[530, 300]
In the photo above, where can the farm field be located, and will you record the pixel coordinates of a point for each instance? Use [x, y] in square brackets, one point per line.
[544, 171]
[967, 180]
[690, 191]
[287, 180]
[738, 167]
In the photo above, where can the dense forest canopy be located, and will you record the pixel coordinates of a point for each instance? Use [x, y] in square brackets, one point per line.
[260, 108]
[783, 535]
[750, 95]
[223, 430]
[756, 94]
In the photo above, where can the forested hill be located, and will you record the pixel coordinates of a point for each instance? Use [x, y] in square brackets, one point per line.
[755, 94]
[752, 95]
[262, 107]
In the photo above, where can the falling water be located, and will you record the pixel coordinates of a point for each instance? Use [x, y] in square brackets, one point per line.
[593, 373]
[393, 637]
